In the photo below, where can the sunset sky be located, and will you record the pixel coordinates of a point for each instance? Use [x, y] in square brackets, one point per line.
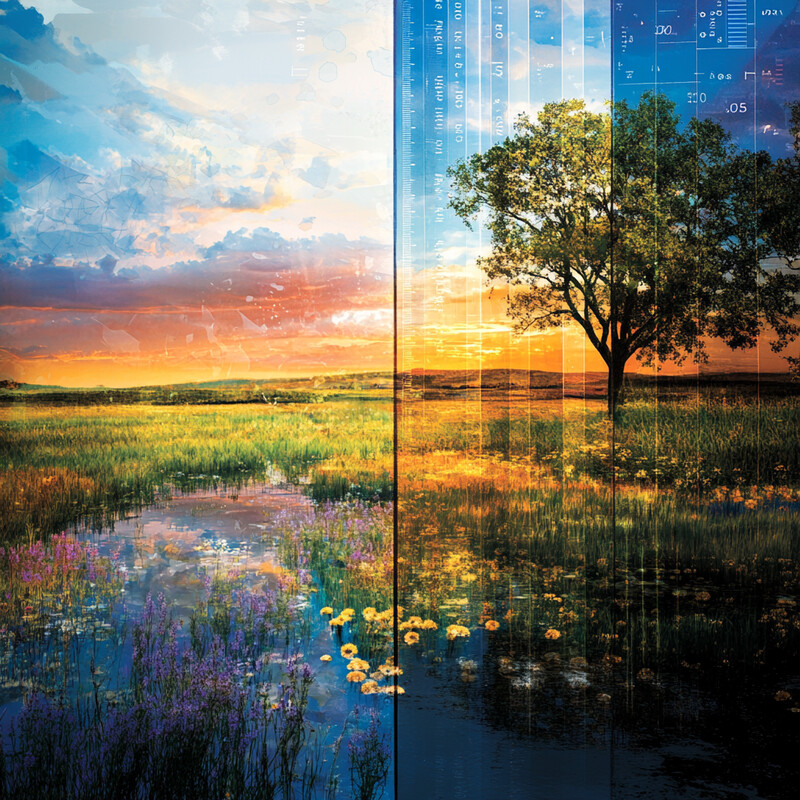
[194, 190]
[202, 189]
[468, 69]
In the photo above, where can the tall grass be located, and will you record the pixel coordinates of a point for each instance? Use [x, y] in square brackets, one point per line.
[686, 444]
[62, 464]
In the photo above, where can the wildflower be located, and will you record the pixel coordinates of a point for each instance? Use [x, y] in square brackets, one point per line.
[492, 624]
[349, 650]
[358, 664]
[347, 614]
[369, 687]
[393, 690]
[369, 613]
[411, 637]
[326, 611]
[336, 621]
[429, 625]
[415, 622]
[326, 658]
[454, 631]
[356, 676]
[552, 633]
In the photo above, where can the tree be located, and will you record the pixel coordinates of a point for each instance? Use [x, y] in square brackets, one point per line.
[644, 231]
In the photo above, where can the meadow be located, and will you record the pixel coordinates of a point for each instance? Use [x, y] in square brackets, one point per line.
[630, 584]
[67, 464]
[573, 581]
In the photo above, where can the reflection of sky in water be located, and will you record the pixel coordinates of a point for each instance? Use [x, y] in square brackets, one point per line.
[174, 549]
[170, 548]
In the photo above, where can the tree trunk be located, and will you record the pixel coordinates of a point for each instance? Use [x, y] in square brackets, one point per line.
[616, 374]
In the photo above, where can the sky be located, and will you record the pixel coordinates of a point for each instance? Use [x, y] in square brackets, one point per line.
[203, 189]
[497, 59]
[194, 190]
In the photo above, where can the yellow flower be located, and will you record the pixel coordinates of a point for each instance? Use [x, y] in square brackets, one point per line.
[326, 611]
[552, 633]
[405, 626]
[415, 622]
[393, 689]
[429, 625]
[369, 687]
[336, 621]
[325, 658]
[358, 664]
[348, 614]
[356, 676]
[411, 637]
[454, 631]
[377, 675]
[369, 613]
[492, 624]
[349, 650]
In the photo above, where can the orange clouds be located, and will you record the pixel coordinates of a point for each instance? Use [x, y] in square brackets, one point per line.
[276, 308]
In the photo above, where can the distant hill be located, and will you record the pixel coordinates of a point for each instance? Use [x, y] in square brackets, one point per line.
[537, 384]
[431, 384]
[274, 391]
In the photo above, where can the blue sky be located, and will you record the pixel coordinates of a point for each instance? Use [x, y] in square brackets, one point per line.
[178, 143]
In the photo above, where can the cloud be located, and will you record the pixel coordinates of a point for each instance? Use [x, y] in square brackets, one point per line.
[158, 157]
[275, 304]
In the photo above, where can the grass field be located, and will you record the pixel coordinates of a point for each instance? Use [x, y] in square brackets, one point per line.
[61, 464]
[546, 556]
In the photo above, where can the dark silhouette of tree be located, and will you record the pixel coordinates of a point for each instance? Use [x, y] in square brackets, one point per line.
[650, 234]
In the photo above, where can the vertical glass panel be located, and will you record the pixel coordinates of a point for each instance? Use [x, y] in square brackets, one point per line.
[596, 433]
[494, 424]
[703, 541]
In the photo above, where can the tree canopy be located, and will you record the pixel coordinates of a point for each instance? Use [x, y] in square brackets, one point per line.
[651, 234]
